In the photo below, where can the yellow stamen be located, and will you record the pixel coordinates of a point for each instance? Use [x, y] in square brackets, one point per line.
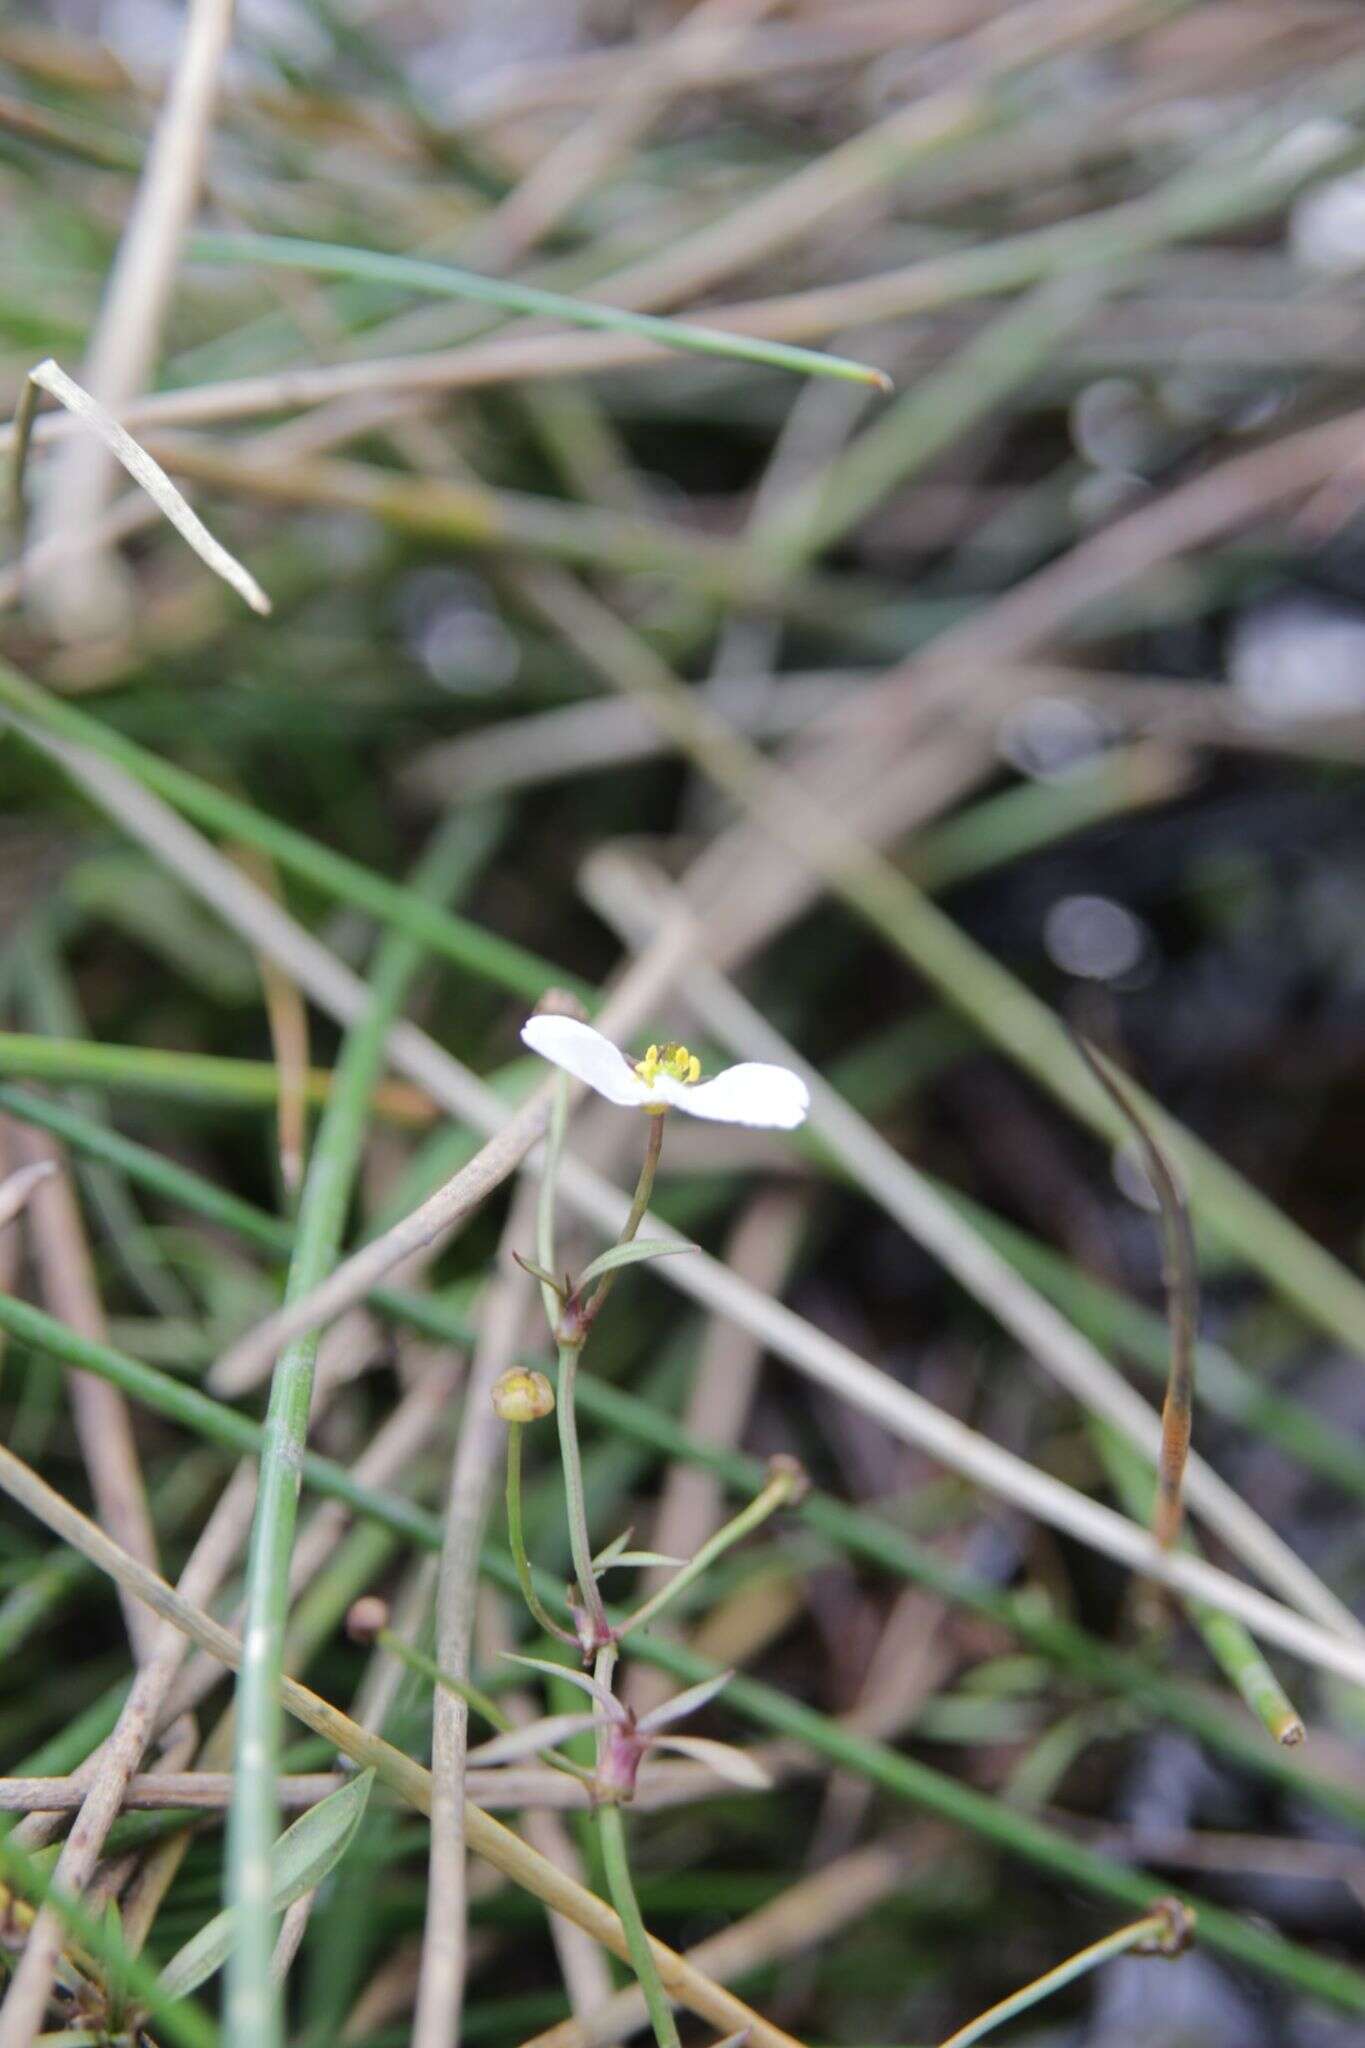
[674, 1060]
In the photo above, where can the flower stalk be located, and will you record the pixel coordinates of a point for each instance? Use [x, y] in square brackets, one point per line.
[573, 1325]
[516, 1538]
[611, 1830]
[669, 1077]
[787, 1484]
[1166, 1931]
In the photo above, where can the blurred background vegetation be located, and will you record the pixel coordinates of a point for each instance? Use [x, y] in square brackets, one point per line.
[1049, 661]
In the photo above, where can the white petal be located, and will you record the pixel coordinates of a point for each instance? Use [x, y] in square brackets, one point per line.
[768, 1098]
[586, 1055]
[720, 1757]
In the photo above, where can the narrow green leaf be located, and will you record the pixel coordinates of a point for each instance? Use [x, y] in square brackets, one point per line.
[536, 1272]
[302, 1857]
[443, 280]
[632, 1254]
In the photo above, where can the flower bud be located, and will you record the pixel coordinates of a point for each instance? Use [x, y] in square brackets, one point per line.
[523, 1396]
[782, 1466]
[366, 1617]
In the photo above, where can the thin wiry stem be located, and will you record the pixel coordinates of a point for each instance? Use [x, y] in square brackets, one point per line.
[1181, 1276]
[443, 932]
[1158, 1931]
[440, 1985]
[922, 1210]
[776, 1494]
[252, 1996]
[1030, 1032]
[496, 1844]
[516, 1541]
[566, 1414]
[575, 1506]
[814, 1352]
[811, 1911]
[611, 1836]
[545, 1201]
[611, 1833]
[480, 1702]
[823, 1358]
[867, 1537]
[1109, 1319]
[639, 1209]
[901, 1775]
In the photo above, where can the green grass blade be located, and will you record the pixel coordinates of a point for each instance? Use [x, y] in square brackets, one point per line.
[252, 1999]
[444, 280]
[454, 938]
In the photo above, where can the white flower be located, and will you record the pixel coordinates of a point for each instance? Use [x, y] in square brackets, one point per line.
[668, 1077]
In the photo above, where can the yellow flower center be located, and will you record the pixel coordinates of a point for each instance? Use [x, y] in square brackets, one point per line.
[674, 1060]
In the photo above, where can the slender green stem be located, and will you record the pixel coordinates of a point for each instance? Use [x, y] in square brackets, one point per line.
[326, 259]
[1046, 1848]
[252, 2002]
[870, 1538]
[545, 1201]
[516, 1538]
[575, 1506]
[880, 1544]
[1154, 1929]
[1109, 1317]
[611, 1834]
[639, 1208]
[611, 1831]
[776, 1494]
[566, 1414]
[1235, 1650]
[454, 938]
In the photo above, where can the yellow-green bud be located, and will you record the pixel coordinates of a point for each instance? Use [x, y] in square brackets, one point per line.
[523, 1396]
